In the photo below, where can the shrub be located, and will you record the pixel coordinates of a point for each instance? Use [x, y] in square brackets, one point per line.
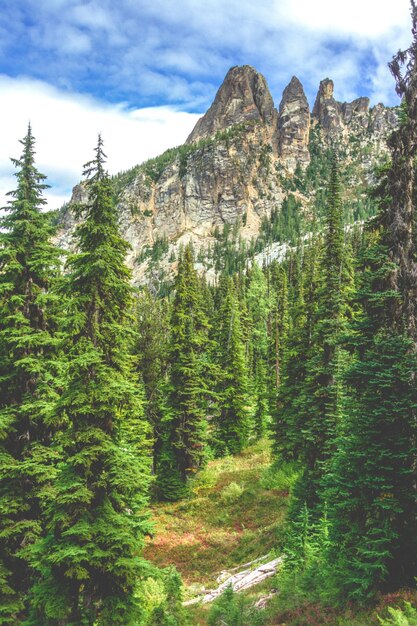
[204, 481]
[231, 609]
[400, 617]
[280, 476]
[231, 493]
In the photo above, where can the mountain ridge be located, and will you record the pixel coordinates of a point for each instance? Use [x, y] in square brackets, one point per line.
[238, 166]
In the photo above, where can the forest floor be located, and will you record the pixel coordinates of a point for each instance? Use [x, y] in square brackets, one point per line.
[231, 517]
[235, 514]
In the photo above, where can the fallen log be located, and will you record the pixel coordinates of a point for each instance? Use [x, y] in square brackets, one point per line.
[240, 581]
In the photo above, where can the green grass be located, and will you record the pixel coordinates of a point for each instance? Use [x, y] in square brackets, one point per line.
[230, 518]
[235, 514]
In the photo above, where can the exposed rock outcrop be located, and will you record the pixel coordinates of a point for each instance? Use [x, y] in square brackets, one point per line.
[294, 126]
[244, 95]
[326, 110]
[239, 176]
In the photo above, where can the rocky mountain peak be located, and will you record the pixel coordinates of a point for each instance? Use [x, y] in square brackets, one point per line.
[244, 95]
[294, 125]
[332, 115]
[326, 110]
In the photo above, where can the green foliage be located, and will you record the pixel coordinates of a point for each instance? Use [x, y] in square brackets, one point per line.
[28, 386]
[233, 609]
[151, 350]
[161, 599]
[155, 252]
[232, 492]
[203, 481]
[400, 617]
[233, 419]
[371, 479]
[258, 304]
[120, 181]
[184, 446]
[280, 476]
[285, 224]
[88, 563]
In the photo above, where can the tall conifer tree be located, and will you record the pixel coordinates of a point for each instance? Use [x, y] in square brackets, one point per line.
[184, 448]
[90, 563]
[258, 306]
[234, 424]
[320, 394]
[288, 438]
[372, 484]
[278, 326]
[151, 350]
[28, 264]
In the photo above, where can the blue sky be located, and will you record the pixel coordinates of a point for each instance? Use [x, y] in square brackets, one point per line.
[142, 71]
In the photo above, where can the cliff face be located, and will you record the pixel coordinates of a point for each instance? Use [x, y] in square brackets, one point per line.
[237, 163]
[338, 120]
[243, 96]
[294, 126]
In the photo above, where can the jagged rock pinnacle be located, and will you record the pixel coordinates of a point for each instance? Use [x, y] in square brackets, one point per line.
[333, 115]
[244, 95]
[294, 125]
[326, 110]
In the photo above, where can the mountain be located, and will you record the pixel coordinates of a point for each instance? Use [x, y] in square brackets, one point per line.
[239, 166]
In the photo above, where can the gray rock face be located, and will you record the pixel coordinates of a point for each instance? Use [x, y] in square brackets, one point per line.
[244, 95]
[326, 110]
[360, 106]
[341, 120]
[240, 176]
[294, 126]
[382, 120]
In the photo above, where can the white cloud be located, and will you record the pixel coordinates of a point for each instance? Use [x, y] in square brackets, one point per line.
[365, 18]
[66, 127]
[178, 51]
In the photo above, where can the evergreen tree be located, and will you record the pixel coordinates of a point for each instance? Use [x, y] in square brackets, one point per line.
[28, 265]
[234, 418]
[278, 326]
[151, 350]
[288, 438]
[320, 396]
[372, 482]
[184, 448]
[258, 308]
[89, 563]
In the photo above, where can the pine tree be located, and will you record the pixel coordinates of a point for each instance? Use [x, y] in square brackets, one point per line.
[372, 480]
[184, 449]
[151, 350]
[288, 438]
[89, 563]
[234, 418]
[320, 397]
[278, 326]
[28, 265]
[258, 308]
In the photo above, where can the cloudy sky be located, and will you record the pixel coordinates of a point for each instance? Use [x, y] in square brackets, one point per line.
[141, 72]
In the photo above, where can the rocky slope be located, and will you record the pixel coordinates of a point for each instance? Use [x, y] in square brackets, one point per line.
[237, 165]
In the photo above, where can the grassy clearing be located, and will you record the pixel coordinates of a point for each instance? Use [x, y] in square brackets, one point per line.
[234, 515]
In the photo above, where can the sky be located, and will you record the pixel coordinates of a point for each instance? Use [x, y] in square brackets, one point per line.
[141, 72]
